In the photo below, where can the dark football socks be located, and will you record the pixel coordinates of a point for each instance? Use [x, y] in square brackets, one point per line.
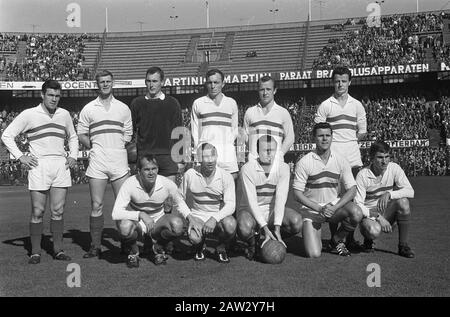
[333, 229]
[403, 227]
[35, 237]
[131, 241]
[343, 232]
[96, 228]
[57, 230]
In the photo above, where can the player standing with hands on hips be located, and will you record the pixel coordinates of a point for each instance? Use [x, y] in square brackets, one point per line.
[47, 126]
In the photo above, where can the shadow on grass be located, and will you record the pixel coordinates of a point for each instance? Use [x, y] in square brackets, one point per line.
[25, 243]
[111, 251]
[385, 251]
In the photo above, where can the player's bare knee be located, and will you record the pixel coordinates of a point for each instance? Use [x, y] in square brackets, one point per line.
[57, 211]
[97, 209]
[245, 228]
[37, 218]
[355, 214]
[229, 225]
[313, 252]
[176, 225]
[126, 228]
[296, 224]
[370, 229]
[403, 206]
[194, 237]
[37, 214]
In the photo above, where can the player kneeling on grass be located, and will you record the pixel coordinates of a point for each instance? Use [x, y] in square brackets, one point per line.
[213, 204]
[382, 206]
[139, 209]
[318, 177]
[265, 188]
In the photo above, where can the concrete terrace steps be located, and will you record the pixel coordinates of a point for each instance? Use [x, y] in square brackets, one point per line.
[90, 52]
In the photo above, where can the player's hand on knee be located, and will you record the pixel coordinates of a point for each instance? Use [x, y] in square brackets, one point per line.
[70, 162]
[30, 161]
[383, 202]
[385, 225]
[210, 225]
[195, 225]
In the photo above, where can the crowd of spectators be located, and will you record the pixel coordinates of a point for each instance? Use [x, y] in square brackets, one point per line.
[8, 42]
[396, 118]
[442, 54]
[400, 39]
[59, 56]
[441, 115]
[14, 173]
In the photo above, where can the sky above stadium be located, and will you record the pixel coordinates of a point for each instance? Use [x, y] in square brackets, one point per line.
[148, 15]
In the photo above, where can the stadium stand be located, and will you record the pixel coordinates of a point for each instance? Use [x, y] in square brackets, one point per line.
[401, 39]
[393, 114]
[40, 56]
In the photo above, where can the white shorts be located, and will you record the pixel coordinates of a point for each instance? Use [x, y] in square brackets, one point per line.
[155, 217]
[226, 157]
[349, 150]
[111, 167]
[230, 167]
[50, 172]
[314, 216]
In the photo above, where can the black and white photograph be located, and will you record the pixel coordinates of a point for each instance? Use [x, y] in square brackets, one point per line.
[225, 155]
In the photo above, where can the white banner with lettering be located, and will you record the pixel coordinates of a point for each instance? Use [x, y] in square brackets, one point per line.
[367, 144]
[236, 78]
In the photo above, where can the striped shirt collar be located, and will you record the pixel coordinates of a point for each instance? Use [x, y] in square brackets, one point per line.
[41, 108]
[211, 100]
[317, 156]
[100, 104]
[257, 166]
[217, 175]
[349, 99]
[158, 184]
[270, 105]
[160, 96]
[370, 173]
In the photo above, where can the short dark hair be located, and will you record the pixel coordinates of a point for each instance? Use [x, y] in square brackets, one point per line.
[265, 138]
[148, 157]
[103, 73]
[203, 147]
[50, 84]
[215, 71]
[321, 125]
[341, 70]
[267, 78]
[378, 146]
[154, 70]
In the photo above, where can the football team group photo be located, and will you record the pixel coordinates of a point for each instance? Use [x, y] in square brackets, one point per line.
[276, 159]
